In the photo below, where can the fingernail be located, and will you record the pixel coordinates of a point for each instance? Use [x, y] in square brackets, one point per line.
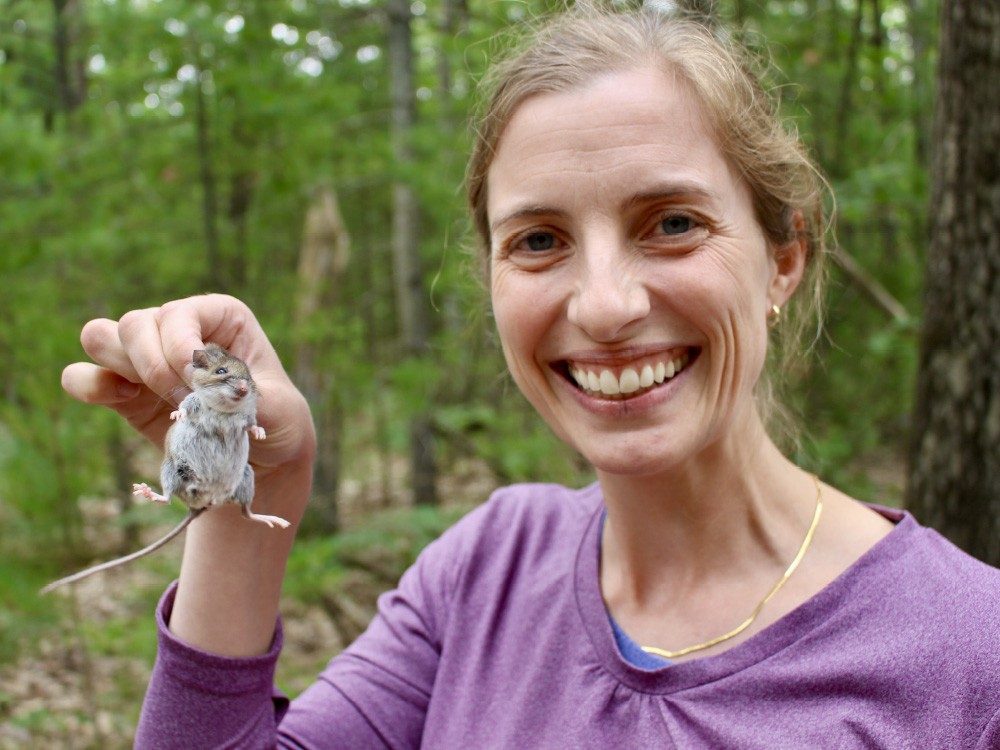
[128, 390]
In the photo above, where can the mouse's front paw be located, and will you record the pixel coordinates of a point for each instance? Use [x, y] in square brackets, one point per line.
[177, 415]
[257, 432]
[144, 490]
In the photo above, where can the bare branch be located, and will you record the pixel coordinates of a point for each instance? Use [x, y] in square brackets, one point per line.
[871, 286]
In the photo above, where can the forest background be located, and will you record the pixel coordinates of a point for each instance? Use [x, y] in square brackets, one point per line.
[307, 157]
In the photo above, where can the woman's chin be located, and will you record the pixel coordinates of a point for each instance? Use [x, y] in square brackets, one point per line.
[631, 460]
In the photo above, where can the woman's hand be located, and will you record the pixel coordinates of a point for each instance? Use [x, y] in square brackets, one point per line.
[143, 365]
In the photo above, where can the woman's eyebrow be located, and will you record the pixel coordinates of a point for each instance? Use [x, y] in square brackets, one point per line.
[526, 212]
[671, 191]
[660, 192]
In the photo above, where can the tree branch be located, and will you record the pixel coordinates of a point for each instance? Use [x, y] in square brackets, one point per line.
[871, 286]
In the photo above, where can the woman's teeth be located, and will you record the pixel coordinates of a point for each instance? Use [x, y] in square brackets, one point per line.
[632, 380]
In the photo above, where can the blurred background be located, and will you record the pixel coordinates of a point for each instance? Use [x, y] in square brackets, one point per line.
[307, 157]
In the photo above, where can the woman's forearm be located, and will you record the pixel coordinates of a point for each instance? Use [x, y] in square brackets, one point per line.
[232, 570]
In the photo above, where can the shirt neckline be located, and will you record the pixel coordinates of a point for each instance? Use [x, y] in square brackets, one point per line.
[772, 639]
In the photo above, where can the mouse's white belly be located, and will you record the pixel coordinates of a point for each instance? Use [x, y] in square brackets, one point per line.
[213, 462]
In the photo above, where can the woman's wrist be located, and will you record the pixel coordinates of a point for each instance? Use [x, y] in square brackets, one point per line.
[232, 571]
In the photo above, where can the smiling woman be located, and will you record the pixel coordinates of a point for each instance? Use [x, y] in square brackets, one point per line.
[785, 189]
[648, 225]
[654, 259]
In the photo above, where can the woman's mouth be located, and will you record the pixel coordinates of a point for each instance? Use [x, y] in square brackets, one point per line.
[629, 380]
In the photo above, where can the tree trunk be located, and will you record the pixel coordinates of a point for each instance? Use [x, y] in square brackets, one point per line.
[322, 262]
[954, 482]
[209, 192]
[916, 12]
[242, 189]
[123, 468]
[411, 299]
[454, 20]
[373, 261]
[837, 165]
[70, 74]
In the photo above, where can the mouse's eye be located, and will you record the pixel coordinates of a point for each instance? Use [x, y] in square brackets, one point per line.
[221, 371]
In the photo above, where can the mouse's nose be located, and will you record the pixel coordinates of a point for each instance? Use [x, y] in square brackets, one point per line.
[242, 387]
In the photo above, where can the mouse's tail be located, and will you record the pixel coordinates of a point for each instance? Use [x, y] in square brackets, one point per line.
[194, 513]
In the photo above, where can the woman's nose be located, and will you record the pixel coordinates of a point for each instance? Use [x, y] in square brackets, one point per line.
[608, 298]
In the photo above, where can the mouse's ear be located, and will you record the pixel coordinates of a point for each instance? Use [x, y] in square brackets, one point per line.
[200, 359]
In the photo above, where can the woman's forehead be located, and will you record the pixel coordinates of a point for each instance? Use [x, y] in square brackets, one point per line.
[613, 134]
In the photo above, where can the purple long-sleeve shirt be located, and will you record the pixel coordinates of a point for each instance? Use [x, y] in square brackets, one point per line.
[498, 637]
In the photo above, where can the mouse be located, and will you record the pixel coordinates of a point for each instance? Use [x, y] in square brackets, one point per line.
[206, 450]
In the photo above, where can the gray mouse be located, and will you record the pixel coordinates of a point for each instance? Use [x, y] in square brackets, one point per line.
[206, 450]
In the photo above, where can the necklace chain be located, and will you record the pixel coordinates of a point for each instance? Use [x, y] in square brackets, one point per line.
[774, 590]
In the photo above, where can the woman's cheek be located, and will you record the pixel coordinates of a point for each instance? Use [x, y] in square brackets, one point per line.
[518, 322]
[721, 302]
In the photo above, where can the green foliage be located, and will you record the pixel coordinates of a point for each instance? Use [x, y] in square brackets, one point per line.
[22, 614]
[103, 209]
[120, 636]
[387, 544]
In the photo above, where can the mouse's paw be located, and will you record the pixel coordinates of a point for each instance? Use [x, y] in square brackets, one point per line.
[177, 416]
[144, 490]
[256, 432]
[271, 521]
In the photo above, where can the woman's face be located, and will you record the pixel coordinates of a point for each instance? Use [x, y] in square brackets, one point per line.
[630, 280]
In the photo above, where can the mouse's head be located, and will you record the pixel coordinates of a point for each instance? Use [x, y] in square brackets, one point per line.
[223, 380]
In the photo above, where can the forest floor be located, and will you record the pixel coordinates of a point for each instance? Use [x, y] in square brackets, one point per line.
[79, 684]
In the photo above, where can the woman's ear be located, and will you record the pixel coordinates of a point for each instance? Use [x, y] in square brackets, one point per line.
[789, 263]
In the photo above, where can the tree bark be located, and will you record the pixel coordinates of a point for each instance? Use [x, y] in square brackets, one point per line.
[209, 191]
[411, 298]
[373, 260]
[846, 87]
[70, 75]
[322, 262]
[954, 479]
[916, 11]
[122, 464]
[242, 190]
[454, 20]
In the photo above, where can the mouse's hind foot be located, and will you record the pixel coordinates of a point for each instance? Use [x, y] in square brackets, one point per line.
[271, 521]
[144, 490]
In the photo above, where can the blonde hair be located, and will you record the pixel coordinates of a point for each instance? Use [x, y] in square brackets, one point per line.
[572, 48]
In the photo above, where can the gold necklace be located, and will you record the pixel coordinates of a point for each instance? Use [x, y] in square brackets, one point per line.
[753, 615]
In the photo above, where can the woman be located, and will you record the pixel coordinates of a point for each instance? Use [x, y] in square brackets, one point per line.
[648, 225]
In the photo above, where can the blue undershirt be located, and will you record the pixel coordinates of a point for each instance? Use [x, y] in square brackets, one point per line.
[630, 650]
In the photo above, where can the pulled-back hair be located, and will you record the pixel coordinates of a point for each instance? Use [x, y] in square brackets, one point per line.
[572, 48]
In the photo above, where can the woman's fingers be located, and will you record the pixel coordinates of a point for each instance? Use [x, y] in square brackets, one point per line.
[141, 407]
[143, 365]
[221, 319]
[93, 384]
[188, 324]
[131, 347]
[101, 343]
[160, 371]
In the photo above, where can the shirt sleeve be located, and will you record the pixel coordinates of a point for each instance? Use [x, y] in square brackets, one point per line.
[376, 693]
[991, 736]
[373, 695]
[198, 699]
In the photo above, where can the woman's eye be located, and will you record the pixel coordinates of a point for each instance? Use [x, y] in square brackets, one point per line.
[676, 225]
[540, 241]
[221, 371]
